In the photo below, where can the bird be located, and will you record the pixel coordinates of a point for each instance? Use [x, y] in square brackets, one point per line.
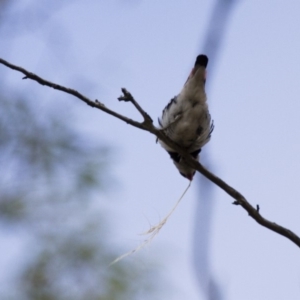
[186, 119]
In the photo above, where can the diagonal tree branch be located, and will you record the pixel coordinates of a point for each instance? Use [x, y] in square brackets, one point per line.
[96, 103]
[147, 125]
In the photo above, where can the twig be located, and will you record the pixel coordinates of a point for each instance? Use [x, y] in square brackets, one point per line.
[147, 125]
[128, 97]
[96, 103]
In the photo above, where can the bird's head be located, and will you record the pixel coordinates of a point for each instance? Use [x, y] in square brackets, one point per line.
[185, 170]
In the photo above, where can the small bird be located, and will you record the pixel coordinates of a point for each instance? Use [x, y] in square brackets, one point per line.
[186, 119]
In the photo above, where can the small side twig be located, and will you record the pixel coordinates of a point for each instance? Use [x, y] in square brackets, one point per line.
[127, 97]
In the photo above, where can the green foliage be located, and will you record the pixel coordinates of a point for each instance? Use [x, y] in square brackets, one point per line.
[52, 181]
[50, 175]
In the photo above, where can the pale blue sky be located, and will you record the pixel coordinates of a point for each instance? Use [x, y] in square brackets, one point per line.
[149, 47]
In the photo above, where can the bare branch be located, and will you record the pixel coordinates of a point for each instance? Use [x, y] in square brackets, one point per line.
[147, 125]
[128, 97]
[96, 103]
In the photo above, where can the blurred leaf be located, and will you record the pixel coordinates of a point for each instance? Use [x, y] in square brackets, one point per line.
[50, 176]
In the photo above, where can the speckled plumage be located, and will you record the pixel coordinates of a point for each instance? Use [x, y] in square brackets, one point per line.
[186, 119]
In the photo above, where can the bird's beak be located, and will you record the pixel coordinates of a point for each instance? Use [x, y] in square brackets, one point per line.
[190, 177]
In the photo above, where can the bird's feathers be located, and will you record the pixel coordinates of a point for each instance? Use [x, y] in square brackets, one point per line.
[186, 119]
